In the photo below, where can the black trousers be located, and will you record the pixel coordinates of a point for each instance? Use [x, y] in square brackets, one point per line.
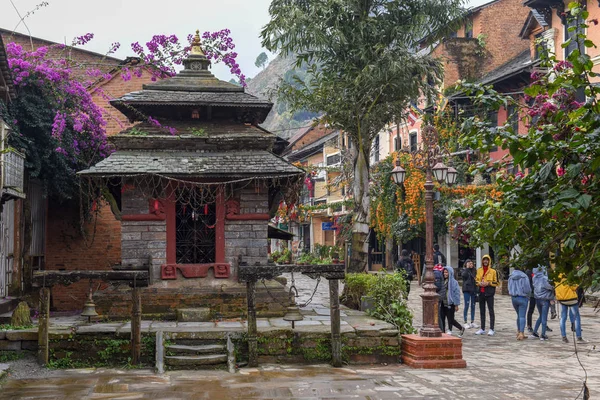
[447, 313]
[489, 301]
[530, 311]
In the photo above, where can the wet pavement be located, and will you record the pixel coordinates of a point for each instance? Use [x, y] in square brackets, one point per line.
[498, 367]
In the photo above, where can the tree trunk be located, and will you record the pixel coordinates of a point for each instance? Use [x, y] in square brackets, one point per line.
[360, 229]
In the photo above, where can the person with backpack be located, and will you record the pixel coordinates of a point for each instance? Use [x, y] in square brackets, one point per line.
[438, 257]
[469, 289]
[486, 281]
[406, 264]
[519, 290]
[544, 293]
[449, 301]
[438, 279]
[569, 304]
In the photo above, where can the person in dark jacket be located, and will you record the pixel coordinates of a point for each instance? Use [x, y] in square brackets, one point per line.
[469, 289]
[519, 290]
[438, 257]
[405, 263]
[449, 301]
[531, 308]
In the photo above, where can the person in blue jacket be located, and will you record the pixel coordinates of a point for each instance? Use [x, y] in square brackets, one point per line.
[519, 290]
[543, 291]
[449, 300]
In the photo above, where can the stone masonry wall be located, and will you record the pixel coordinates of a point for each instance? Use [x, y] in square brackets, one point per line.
[142, 239]
[248, 239]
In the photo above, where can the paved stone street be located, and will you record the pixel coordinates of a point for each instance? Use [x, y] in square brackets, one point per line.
[499, 367]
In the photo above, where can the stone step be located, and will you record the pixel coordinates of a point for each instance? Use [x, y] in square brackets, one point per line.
[202, 349]
[196, 361]
[202, 314]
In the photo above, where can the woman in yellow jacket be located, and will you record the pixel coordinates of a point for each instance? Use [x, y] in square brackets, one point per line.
[567, 297]
[487, 281]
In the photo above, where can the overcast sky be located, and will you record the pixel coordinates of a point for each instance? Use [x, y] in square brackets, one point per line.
[136, 20]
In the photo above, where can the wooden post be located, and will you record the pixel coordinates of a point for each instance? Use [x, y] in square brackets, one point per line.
[252, 330]
[336, 338]
[43, 323]
[136, 326]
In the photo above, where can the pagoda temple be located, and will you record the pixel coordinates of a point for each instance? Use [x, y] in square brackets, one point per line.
[194, 186]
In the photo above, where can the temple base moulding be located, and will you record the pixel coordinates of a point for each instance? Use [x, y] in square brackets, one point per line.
[432, 352]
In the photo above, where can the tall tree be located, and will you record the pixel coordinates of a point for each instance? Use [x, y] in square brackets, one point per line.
[363, 69]
[261, 60]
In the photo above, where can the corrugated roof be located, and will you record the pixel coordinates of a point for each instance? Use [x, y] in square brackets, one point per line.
[193, 164]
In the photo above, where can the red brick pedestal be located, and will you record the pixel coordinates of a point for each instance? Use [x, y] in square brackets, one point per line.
[425, 352]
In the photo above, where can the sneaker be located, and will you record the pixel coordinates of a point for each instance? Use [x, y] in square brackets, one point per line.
[530, 330]
[449, 333]
[553, 315]
[491, 332]
[480, 332]
[534, 336]
[474, 325]
[543, 338]
[565, 340]
[462, 332]
[581, 340]
[548, 329]
[466, 325]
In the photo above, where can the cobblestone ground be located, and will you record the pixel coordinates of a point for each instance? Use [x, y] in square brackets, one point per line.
[499, 367]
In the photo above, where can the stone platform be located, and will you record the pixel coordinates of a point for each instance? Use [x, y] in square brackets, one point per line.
[364, 339]
[225, 298]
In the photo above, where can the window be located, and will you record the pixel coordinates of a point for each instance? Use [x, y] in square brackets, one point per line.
[376, 148]
[469, 29]
[571, 32]
[513, 118]
[334, 159]
[413, 142]
[195, 231]
[541, 46]
[397, 143]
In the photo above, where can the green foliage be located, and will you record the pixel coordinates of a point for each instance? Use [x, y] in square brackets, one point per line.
[6, 356]
[199, 132]
[554, 207]
[363, 69]
[9, 327]
[261, 60]
[137, 132]
[389, 295]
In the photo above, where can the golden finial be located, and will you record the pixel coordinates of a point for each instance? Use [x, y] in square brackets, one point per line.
[196, 49]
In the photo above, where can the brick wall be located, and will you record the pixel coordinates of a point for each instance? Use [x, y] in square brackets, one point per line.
[67, 249]
[116, 87]
[501, 24]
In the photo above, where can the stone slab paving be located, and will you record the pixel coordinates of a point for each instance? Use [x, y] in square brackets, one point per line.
[498, 367]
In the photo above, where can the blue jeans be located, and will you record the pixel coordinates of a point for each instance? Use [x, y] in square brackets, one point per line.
[520, 305]
[469, 300]
[574, 316]
[543, 306]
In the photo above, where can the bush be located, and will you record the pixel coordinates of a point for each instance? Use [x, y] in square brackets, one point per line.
[389, 296]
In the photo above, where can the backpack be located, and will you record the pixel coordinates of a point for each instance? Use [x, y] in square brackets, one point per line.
[406, 265]
[438, 276]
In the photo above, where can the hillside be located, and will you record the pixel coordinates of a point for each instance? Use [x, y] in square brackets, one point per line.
[280, 120]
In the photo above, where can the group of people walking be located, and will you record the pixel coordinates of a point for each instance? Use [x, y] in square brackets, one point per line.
[533, 290]
[529, 290]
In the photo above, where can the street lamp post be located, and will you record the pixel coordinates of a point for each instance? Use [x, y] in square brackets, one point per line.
[431, 155]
